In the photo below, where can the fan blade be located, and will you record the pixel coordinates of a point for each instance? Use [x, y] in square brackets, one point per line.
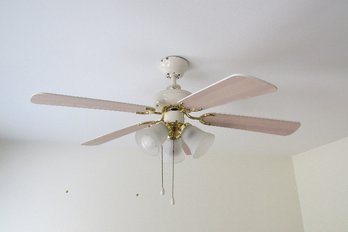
[185, 148]
[117, 134]
[264, 125]
[81, 102]
[233, 88]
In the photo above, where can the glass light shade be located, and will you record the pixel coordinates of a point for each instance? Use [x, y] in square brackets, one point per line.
[197, 140]
[151, 139]
[179, 155]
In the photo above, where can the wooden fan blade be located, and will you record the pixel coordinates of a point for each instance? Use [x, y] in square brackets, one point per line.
[115, 134]
[90, 103]
[264, 125]
[185, 148]
[233, 88]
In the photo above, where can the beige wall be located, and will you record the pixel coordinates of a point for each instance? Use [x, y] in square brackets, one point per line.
[215, 193]
[322, 181]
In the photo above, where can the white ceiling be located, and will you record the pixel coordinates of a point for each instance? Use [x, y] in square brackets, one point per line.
[111, 49]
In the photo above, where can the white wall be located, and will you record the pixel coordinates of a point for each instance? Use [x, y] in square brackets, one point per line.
[214, 193]
[322, 181]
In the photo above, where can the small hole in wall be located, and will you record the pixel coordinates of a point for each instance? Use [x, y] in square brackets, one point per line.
[67, 191]
[137, 194]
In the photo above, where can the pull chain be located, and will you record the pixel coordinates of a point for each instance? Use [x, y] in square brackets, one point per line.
[172, 200]
[162, 190]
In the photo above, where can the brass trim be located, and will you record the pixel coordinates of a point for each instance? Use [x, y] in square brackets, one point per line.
[181, 104]
[191, 117]
[150, 123]
[175, 129]
[201, 118]
[148, 110]
[180, 107]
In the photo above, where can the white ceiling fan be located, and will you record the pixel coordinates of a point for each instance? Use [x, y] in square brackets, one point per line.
[170, 135]
[173, 104]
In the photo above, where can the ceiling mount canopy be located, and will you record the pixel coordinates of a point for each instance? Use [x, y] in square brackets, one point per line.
[171, 136]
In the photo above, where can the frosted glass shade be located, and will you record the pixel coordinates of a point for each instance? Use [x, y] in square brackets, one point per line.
[151, 139]
[197, 140]
[179, 155]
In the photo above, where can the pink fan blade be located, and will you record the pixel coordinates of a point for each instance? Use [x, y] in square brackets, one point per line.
[233, 88]
[81, 102]
[185, 148]
[115, 135]
[264, 125]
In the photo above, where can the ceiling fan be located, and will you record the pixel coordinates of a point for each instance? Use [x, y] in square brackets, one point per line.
[173, 104]
[171, 135]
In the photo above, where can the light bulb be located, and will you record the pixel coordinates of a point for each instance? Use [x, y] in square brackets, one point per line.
[179, 155]
[197, 140]
[151, 139]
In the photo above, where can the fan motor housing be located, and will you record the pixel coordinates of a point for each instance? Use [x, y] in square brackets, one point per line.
[171, 97]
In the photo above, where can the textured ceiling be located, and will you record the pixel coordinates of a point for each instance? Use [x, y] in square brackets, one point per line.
[111, 50]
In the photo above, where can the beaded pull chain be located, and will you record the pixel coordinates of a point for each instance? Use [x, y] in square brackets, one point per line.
[173, 200]
[162, 189]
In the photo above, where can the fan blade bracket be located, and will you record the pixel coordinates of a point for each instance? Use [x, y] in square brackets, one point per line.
[192, 109]
[147, 111]
[201, 118]
[148, 123]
